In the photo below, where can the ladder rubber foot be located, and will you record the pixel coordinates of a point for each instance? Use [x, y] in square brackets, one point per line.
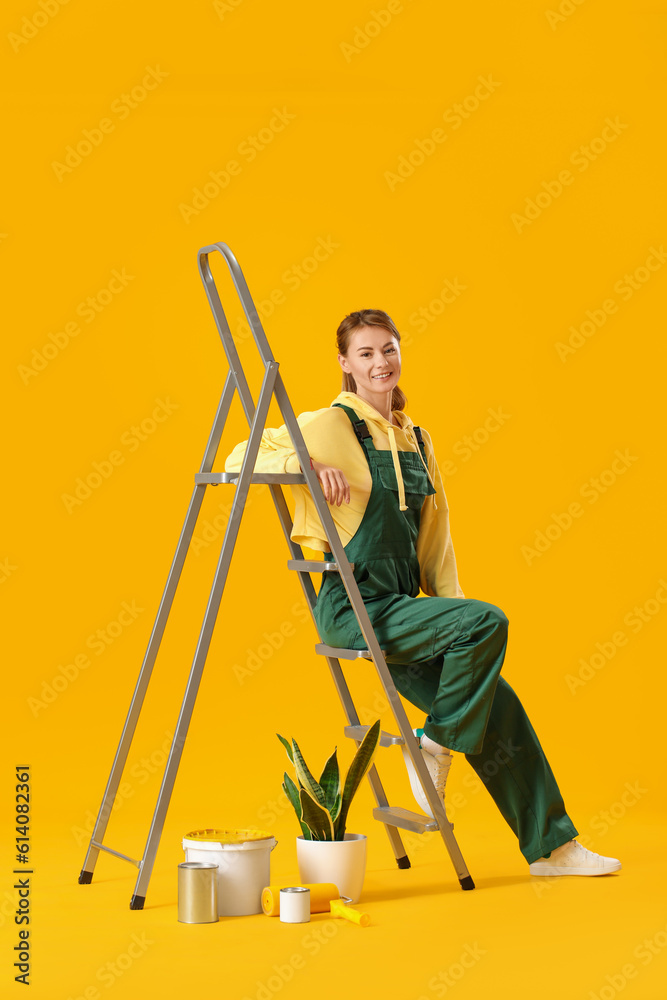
[403, 862]
[85, 878]
[467, 882]
[137, 902]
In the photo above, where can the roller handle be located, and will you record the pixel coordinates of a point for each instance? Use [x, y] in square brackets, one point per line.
[341, 909]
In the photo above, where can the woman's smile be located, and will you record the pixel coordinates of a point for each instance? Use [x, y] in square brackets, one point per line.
[369, 346]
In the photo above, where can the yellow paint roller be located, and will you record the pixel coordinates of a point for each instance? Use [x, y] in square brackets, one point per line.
[324, 898]
[339, 908]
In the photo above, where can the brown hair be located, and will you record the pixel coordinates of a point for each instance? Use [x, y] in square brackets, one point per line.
[353, 321]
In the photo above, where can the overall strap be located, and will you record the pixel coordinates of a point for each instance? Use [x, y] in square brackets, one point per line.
[418, 434]
[364, 435]
[360, 428]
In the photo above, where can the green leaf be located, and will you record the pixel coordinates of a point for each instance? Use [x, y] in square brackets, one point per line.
[330, 783]
[335, 811]
[287, 745]
[292, 793]
[358, 769]
[305, 777]
[316, 817]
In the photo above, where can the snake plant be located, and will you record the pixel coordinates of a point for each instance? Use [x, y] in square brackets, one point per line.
[322, 806]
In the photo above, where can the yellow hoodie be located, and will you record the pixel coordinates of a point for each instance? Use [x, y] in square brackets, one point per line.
[330, 439]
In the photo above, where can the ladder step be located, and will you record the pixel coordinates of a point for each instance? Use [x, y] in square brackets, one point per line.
[314, 566]
[406, 820]
[386, 739]
[343, 654]
[216, 478]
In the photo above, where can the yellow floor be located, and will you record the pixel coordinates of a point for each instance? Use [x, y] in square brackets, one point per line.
[513, 936]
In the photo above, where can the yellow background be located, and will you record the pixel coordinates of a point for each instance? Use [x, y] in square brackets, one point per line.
[220, 75]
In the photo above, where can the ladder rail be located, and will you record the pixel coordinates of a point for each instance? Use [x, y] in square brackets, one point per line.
[245, 297]
[205, 636]
[381, 800]
[157, 632]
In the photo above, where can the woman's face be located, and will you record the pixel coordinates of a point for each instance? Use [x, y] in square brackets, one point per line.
[374, 360]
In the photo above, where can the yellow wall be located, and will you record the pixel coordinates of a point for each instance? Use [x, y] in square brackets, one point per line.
[492, 175]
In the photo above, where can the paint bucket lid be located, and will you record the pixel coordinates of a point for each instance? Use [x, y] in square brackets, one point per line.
[229, 839]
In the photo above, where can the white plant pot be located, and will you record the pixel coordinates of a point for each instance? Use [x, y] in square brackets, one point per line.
[342, 862]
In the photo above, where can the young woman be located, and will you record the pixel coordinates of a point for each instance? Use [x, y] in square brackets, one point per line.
[379, 474]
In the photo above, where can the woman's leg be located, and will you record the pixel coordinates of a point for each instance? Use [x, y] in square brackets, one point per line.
[513, 767]
[470, 637]
[472, 709]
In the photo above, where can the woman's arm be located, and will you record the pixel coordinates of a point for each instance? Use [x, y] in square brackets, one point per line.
[322, 437]
[276, 453]
[435, 549]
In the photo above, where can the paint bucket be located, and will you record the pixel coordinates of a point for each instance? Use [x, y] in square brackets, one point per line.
[243, 858]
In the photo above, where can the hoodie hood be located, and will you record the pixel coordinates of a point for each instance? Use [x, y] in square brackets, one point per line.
[405, 424]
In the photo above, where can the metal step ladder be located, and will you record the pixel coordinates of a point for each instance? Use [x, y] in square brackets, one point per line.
[272, 385]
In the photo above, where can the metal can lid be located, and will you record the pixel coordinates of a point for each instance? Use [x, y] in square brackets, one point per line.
[295, 888]
[197, 864]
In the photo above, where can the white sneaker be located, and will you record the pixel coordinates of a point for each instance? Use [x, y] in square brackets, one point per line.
[438, 765]
[573, 859]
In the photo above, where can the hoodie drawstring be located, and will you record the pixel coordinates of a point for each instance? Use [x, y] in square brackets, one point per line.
[419, 452]
[397, 468]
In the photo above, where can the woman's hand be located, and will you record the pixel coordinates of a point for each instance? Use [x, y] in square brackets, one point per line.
[334, 484]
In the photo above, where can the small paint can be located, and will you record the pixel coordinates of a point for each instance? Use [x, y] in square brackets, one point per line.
[197, 892]
[295, 904]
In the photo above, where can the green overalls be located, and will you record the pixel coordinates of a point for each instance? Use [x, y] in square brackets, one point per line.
[444, 654]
